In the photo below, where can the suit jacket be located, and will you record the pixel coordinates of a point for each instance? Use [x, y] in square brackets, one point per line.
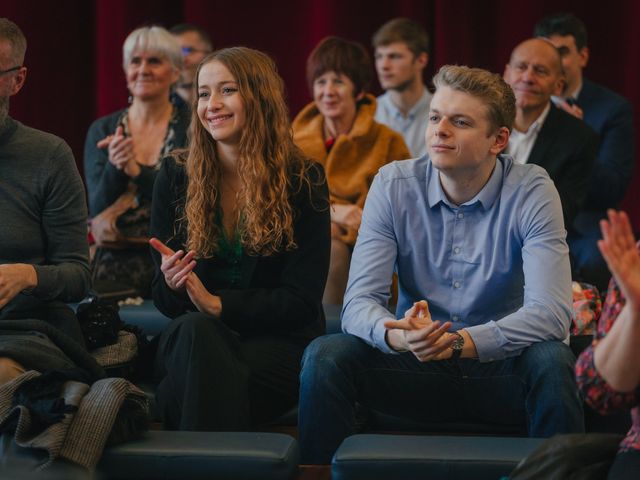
[278, 294]
[566, 147]
[611, 116]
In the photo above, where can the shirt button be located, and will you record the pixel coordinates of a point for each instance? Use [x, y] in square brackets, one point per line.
[455, 318]
[456, 284]
[461, 215]
[456, 250]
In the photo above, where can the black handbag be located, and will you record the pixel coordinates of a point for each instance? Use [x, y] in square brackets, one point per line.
[99, 321]
[570, 457]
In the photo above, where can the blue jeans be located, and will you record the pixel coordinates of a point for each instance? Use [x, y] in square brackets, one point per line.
[537, 388]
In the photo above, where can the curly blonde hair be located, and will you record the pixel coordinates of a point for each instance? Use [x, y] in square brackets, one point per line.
[270, 165]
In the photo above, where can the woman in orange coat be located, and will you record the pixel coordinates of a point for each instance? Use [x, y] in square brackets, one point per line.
[338, 130]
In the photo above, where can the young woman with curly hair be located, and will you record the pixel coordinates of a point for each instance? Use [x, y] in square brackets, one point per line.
[241, 222]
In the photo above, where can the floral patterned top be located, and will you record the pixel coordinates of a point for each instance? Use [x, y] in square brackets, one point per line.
[598, 394]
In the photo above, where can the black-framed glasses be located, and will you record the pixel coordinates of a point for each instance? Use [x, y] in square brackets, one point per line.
[9, 70]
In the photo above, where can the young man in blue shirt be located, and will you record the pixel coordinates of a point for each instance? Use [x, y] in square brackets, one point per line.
[484, 305]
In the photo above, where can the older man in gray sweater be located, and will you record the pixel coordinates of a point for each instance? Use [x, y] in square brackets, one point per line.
[44, 252]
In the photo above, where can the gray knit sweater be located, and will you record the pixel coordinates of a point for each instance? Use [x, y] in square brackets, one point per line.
[43, 217]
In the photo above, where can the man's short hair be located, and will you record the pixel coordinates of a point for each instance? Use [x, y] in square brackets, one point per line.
[402, 30]
[10, 32]
[341, 56]
[181, 28]
[488, 87]
[562, 24]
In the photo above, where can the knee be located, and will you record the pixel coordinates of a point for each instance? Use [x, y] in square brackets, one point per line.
[194, 323]
[327, 356]
[195, 331]
[550, 361]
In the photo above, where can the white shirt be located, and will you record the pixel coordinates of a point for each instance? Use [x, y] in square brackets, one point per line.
[412, 127]
[521, 143]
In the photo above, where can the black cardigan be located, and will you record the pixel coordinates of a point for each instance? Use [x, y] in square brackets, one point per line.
[276, 294]
[105, 183]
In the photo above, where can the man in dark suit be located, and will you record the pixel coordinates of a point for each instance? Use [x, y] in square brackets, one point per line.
[611, 116]
[544, 134]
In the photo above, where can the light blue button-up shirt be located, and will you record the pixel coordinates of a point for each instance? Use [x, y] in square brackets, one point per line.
[497, 265]
[412, 127]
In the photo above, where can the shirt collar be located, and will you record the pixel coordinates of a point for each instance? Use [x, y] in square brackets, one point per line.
[421, 105]
[576, 93]
[537, 125]
[485, 197]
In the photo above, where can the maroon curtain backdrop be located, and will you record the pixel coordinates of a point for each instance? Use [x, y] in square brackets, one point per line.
[75, 46]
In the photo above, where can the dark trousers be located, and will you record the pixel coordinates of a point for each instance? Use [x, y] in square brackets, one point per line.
[626, 466]
[536, 388]
[213, 380]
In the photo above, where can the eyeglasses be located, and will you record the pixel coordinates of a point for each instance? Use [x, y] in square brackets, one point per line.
[9, 70]
[189, 50]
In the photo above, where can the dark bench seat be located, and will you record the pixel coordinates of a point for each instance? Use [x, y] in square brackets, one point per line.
[387, 457]
[202, 455]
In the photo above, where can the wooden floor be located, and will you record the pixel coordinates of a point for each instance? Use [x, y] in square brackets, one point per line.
[315, 472]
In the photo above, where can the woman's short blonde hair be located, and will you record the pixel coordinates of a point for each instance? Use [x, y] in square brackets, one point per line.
[153, 39]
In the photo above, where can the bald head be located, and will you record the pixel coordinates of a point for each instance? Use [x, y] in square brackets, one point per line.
[535, 74]
[541, 47]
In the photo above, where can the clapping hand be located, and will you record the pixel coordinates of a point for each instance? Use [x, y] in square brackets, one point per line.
[175, 266]
[179, 276]
[121, 152]
[417, 333]
[346, 215]
[619, 250]
[571, 108]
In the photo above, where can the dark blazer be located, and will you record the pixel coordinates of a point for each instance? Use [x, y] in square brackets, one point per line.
[611, 116]
[105, 183]
[566, 148]
[277, 294]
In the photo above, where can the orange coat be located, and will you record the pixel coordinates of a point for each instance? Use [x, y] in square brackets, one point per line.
[355, 157]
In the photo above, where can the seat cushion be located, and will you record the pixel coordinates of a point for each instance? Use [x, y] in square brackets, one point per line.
[146, 316]
[376, 422]
[202, 455]
[430, 457]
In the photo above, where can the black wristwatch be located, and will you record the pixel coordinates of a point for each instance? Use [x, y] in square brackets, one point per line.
[457, 346]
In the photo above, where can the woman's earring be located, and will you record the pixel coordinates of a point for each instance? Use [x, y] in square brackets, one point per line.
[130, 99]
